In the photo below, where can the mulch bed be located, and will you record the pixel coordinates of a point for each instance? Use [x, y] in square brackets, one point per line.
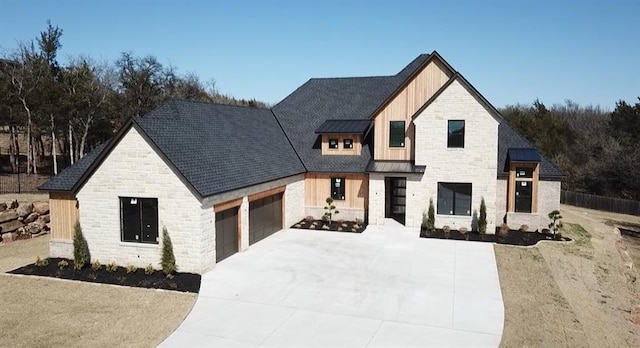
[343, 226]
[514, 237]
[184, 282]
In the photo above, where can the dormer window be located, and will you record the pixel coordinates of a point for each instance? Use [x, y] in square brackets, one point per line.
[333, 143]
[348, 143]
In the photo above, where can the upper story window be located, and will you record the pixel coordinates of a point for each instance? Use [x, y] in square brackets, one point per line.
[333, 143]
[396, 134]
[337, 188]
[455, 135]
[139, 219]
[348, 143]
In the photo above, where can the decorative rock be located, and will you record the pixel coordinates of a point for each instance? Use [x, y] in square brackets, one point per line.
[41, 208]
[3, 206]
[13, 204]
[24, 209]
[31, 218]
[44, 219]
[10, 226]
[47, 227]
[33, 228]
[9, 237]
[8, 215]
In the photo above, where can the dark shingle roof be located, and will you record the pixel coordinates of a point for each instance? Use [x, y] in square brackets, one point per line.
[509, 138]
[344, 127]
[218, 148]
[67, 179]
[353, 98]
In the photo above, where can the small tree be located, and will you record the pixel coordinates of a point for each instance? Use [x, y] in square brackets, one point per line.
[556, 222]
[330, 209]
[482, 221]
[167, 260]
[431, 217]
[80, 248]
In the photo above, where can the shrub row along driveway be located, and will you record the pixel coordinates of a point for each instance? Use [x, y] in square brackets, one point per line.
[385, 287]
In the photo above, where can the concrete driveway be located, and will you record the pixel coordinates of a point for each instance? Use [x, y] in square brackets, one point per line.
[385, 287]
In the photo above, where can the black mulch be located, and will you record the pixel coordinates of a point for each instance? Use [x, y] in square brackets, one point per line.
[514, 237]
[344, 226]
[185, 282]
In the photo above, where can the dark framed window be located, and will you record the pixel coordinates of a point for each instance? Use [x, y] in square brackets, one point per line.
[396, 134]
[524, 195]
[139, 220]
[454, 199]
[455, 135]
[347, 143]
[337, 188]
[333, 143]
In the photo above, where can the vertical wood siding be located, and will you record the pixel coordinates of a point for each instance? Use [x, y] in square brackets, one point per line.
[64, 214]
[318, 188]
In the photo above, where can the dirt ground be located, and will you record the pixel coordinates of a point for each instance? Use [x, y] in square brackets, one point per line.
[24, 197]
[42, 312]
[579, 294]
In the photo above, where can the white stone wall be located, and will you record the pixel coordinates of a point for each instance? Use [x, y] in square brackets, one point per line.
[501, 201]
[133, 169]
[61, 248]
[476, 163]
[345, 213]
[376, 199]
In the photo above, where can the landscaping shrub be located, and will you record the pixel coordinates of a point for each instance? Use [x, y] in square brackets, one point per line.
[112, 267]
[504, 230]
[96, 265]
[63, 264]
[131, 268]
[149, 269]
[167, 260]
[41, 262]
[446, 229]
[80, 248]
[482, 220]
[556, 222]
[430, 222]
[330, 209]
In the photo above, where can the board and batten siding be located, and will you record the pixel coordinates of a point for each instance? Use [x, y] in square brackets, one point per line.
[404, 105]
[318, 188]
[64, 213]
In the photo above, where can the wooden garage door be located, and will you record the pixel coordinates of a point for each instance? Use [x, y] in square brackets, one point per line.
[265, 217]
[226, 233]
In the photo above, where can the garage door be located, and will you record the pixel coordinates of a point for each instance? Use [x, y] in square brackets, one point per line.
[226, 233]
[265, 217]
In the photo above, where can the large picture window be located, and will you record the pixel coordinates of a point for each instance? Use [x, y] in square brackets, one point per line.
[455, 133]
[454, 199]
[337, 188]
[396, 134]
[139, 220]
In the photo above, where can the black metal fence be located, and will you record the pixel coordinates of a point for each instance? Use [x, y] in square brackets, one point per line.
[21, 183]
[616, 205]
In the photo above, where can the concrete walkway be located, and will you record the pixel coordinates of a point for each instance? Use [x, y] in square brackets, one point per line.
[385, 287]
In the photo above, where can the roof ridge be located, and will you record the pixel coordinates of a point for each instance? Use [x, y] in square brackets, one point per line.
[192, 101]
[352, 77]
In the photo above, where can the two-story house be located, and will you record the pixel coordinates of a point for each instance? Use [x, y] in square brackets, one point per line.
[221, 178]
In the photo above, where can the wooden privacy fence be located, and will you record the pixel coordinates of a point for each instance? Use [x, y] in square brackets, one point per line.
[616, 205]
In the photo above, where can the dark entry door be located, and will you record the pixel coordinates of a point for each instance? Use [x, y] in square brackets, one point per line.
[265, 217]
[226, 233]
[396, 193]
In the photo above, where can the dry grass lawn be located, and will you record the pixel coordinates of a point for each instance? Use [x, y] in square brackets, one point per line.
[43, 312]
[580, 294]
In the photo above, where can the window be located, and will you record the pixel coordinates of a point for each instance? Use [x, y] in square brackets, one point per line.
[523, 196]
[396, 134]
[333, 143]
[337, 188]
[456, 134]
[454, 199]
[139, 219]
[348, 143]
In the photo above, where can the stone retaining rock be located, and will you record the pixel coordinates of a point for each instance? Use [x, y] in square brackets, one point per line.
[31, 218]
[3, 206]
[24, 209]
[8, 215]
[41, 208]
[18, 221]
[10, 226]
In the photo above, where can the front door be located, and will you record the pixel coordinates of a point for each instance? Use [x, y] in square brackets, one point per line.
[396, 193]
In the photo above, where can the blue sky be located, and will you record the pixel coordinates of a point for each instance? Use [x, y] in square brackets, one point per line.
[511, 51]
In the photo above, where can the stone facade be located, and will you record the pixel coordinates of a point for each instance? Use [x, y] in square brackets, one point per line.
[134, 169]
[476, 163]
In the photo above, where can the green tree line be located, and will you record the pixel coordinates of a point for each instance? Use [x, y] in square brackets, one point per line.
[83, 102]
[597, 150]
